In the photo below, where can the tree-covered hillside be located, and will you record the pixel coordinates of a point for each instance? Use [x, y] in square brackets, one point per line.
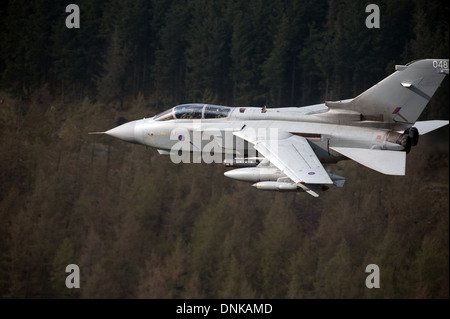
[140, 226]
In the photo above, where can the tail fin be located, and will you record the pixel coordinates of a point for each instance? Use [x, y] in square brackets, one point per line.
[402, 96]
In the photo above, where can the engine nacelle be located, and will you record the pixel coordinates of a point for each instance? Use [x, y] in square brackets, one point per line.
[410, 137]
[413, 134]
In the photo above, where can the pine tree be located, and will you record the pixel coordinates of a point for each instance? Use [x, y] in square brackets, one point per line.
[207, 57]
[170, 60]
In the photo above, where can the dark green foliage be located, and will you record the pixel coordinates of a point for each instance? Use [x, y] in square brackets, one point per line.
[208, 53]
[170, 59]
[140, 226]
[245, 53]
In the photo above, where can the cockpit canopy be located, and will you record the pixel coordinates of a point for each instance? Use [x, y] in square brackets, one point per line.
[194, 111]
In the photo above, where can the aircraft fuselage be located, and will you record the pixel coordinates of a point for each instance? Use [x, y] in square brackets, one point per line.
[284, 149]
[203, 134]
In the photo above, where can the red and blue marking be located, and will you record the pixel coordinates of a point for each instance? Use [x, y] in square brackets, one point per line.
[397, 110]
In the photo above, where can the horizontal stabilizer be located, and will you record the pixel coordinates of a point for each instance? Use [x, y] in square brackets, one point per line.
[386, 162]
[425, 127]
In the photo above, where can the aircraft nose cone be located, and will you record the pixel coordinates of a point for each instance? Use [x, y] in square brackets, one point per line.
[124, 132]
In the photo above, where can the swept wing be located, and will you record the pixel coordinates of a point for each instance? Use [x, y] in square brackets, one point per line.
[292, 155]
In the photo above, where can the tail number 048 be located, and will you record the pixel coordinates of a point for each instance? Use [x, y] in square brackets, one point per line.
[440, 64]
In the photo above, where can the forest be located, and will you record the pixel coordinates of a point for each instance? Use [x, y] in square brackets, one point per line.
[140, 226]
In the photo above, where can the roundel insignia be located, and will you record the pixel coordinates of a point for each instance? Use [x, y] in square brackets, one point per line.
[180, 137]
[311, 173]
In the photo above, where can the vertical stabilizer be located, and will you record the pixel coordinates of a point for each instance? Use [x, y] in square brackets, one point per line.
[402, 96]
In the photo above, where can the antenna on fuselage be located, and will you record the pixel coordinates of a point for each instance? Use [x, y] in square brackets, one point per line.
[264, 109]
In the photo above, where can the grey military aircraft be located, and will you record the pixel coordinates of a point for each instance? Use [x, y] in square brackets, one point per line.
[285, 149]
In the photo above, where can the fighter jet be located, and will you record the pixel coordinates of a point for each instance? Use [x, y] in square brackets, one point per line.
[286, 148]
